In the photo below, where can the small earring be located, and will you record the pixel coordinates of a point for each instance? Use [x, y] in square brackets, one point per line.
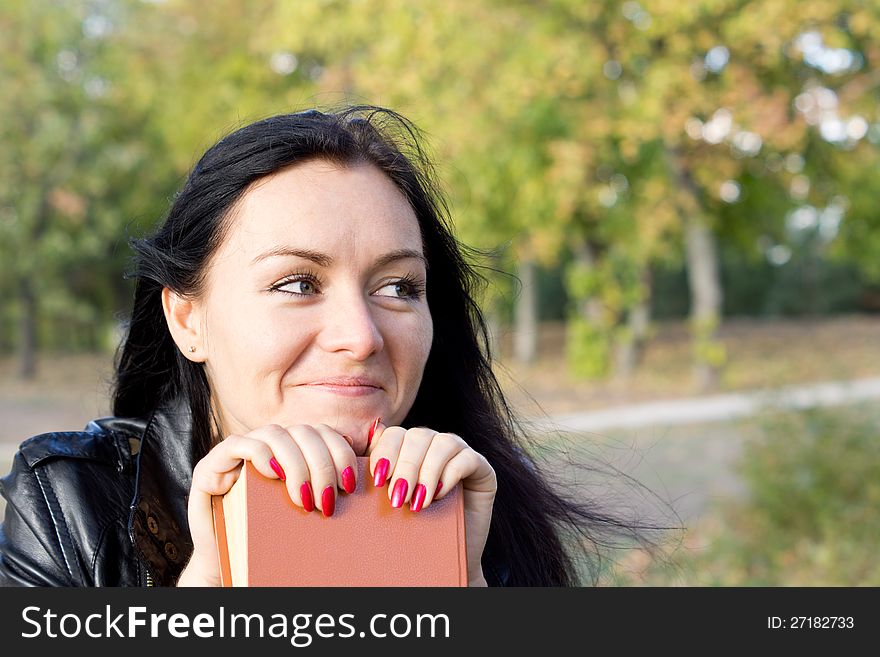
[192, 349]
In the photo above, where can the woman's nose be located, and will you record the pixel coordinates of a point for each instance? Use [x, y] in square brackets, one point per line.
[350, 325]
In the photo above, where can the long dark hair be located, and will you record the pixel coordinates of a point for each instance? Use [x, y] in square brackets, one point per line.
[459, 392]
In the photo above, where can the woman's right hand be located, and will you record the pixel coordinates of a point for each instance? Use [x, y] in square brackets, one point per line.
[313, 461]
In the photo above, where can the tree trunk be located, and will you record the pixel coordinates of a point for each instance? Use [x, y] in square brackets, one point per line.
[704, 278]
[629, 351]
[591, 307]
[525, 336]
[28, 328]
[706, 296]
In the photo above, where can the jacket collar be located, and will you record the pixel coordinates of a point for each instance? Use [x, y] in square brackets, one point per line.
[158, 524]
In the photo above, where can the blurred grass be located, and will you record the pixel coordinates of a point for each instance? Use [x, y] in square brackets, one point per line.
[810, 515]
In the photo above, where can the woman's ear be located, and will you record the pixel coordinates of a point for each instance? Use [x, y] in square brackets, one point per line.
[185, 324]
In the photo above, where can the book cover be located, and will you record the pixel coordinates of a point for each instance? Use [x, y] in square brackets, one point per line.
[264, 539]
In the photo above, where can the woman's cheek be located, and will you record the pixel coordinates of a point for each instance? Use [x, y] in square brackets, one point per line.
[419, 350]
[415, 334]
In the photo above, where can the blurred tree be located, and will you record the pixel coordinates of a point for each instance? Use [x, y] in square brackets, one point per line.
[709, 113]
[50, 161]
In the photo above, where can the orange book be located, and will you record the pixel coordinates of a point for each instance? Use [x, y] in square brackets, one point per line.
[264, 539]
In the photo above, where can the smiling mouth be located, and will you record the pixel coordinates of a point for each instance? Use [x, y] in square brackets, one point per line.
[345, 390]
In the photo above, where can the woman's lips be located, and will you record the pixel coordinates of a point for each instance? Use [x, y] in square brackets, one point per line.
[345, 391]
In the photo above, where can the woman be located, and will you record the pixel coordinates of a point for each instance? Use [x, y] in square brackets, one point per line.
[303, 303]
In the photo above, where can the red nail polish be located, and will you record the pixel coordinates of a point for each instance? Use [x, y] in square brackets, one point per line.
[305, 492]
[439, 486]
[348, 480]
[399, 493]
[381, 472]
[276, 467]
[373, 430]
[418, 498]
[328, 502]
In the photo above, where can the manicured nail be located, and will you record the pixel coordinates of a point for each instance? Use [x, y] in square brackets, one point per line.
[328, 502]
[418, 498]
[439, 486]
[399, 493]
[348, 480]
[381, 472]
[305, 493]
[276, 467]
[373, 430]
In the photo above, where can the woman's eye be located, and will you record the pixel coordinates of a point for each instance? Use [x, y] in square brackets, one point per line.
[405, 289]
[308, 286]
[301, 286]
[399, 290]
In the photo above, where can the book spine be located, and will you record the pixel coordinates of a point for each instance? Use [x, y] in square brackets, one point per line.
[462, 537]
[222, 546]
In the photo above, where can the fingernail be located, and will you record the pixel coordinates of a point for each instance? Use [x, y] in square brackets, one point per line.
[439, 486]
[305, 492]
[348, 480]
[348, 440]
[373, 430]
[418, 498]
[381, 472]
[276, 467]
[399, 493]
[328, 502]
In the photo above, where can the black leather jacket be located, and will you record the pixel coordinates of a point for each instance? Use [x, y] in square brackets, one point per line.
[101, 507]
[106, 506]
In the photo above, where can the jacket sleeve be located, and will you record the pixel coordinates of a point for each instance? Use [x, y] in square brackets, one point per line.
[31, 552]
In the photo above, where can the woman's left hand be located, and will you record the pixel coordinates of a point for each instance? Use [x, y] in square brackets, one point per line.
[414, 461]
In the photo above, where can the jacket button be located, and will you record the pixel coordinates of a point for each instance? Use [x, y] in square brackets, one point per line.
[152, 525]
[171, 551]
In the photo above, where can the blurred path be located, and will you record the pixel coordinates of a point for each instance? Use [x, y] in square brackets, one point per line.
[718, 408]
[686, 451]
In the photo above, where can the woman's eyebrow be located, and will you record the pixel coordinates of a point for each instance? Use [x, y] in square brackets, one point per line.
[325, 260]
[400, 254]
[284, 251]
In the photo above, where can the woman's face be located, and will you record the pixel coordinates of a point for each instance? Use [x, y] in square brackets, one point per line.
[320, 277]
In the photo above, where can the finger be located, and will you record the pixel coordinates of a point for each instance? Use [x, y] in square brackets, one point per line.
[373, 434]
[471, 468]
[344, 458]
[444, 446]
[322, 470]
[200, 516]
[405, 473]
[293, 464]
[383, 457]
[218, 470]
[214, 475]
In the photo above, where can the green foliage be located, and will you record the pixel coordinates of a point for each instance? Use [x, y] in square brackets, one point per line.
[810, 515]
[813, 513]
[588, 349]
[707, 350]
[582, 282]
